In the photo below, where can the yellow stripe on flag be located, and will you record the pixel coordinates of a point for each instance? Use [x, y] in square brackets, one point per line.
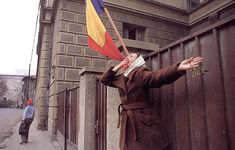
[95, 27]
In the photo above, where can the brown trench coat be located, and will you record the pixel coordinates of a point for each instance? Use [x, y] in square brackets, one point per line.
[141, 127]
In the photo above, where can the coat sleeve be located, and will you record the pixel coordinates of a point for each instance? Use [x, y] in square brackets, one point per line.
[154, 79]
[108, 77]
[25, 113]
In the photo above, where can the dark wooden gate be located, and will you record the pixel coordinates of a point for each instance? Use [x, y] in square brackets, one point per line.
[101, 120]
[67, 126]
[198, 111]
[61, 98]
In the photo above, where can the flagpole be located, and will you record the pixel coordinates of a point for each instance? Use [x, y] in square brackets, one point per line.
[116, 31]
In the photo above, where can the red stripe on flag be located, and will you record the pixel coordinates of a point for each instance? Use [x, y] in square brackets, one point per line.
[109, 48]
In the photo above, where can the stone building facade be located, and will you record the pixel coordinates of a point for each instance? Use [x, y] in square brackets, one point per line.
[14, 85]
[145, 26]
[28, 87]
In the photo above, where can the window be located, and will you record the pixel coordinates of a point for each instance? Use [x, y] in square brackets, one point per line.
[133, 32]
[195, 3]
[49, 3]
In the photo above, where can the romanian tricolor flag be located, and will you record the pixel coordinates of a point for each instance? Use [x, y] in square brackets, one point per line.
[98, 37]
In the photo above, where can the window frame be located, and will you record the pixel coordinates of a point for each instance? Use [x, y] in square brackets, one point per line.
[138, 30]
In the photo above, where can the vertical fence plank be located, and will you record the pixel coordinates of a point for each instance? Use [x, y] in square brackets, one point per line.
[104, 116]
[181, 104]
[196, 108]
[61, 118]
[73, 116]
[101, 109]
[66, 119]
[213, 98]
[204, 120]
[97, 113]
[218, 49]
[167, 103]
[78, 118]
[227, 47]
[61, 98]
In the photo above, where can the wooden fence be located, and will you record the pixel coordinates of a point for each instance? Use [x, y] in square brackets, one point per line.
[67, 125]
[101, 115]
[198, 110]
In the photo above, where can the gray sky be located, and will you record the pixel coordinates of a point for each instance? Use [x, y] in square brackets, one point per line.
[18, 19]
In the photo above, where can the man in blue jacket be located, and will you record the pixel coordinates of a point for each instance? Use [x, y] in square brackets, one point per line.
[27, 119]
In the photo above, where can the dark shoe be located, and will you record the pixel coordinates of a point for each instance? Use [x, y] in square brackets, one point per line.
[22, 142]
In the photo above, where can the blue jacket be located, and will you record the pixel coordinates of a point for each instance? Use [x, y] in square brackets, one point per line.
[29, 112]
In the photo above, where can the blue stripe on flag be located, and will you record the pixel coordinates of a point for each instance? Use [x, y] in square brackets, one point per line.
[99, 6]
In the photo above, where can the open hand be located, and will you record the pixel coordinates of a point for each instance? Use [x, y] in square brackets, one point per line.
[190, 63]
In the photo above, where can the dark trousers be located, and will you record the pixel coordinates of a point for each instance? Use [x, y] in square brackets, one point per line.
[24, 137]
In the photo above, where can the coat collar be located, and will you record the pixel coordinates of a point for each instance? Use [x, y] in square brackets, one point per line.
[120, 82]
[131, 74]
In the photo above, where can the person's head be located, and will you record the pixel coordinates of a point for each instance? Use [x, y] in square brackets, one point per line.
[132, 57]
[132, 61]
[29, 101]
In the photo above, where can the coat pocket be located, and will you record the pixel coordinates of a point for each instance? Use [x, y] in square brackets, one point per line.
[148, 120]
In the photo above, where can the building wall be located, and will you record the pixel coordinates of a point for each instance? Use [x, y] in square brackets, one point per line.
[163, 25]
[69, 54]
[14, 84]
[181, 4]
[44, 57]
[209, 13]
[154, 8]
[28, 87]
[158, 31]
[206, 9]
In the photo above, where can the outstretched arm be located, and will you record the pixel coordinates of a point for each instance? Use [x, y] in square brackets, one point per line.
[153, 79]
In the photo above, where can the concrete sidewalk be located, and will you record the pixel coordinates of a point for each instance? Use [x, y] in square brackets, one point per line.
[38, 140]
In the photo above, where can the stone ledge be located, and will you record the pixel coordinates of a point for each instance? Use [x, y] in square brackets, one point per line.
[91, 70]
[139, 45]
[152, 9]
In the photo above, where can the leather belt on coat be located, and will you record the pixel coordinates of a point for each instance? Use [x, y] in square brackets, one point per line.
[127, 109]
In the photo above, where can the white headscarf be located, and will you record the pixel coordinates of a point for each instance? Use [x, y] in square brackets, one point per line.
[137, 63]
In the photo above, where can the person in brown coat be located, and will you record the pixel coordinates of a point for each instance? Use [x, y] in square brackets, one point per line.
[140, 124]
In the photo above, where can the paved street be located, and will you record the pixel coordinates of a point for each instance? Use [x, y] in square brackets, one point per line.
[10, 139]
[8, 119]
[38, 140]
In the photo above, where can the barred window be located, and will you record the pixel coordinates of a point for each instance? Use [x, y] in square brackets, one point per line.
[133, 32]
